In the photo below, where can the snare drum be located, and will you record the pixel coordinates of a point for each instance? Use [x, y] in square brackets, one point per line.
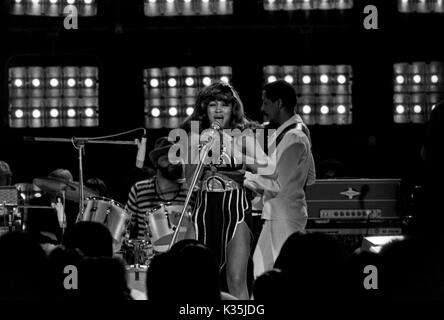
[136, 277]
[162, 222]
[110, 213]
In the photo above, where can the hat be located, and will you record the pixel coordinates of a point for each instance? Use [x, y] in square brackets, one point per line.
[161, 147]
[4, 169]
[63, 174]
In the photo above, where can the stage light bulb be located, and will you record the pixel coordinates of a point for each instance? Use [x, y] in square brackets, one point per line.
[173, 111]
[18, 83]
[170, 1]
[36, 113]
[417, 109]
[400, 79]
[71, 82]
[271, 1]
[189, 81]
[70, 1]
[89, 112]
[400, 109]
[88, 1]
[306, 79]
[434, 78]
[187, 1]
[306, 109]
[35, 1]
[341, 109]
[433, 107]
[19, 113]
[155, 112]
[289, 79]
[224, 79]
[271, 79]
[341, 79]
[417, 78]
[324, 78]
[89, 83]
[206, 81]
[189, 111]
[53, 1]
[54, 82]
[71, 113]
[154, 83]
[324, 109]
[205, 1]
[152, 1]
[36, 82]
[18, 1]
[54, 113]
[172, 82]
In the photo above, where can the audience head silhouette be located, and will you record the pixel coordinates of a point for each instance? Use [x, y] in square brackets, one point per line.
[91, 238]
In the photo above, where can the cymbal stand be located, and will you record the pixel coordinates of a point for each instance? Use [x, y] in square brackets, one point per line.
[79, 144]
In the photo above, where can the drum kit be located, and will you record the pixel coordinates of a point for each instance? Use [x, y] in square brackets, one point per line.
[162, 221]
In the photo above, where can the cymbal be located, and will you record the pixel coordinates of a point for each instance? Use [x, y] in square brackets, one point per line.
[57, 185]
[72, 193]
[52, 184]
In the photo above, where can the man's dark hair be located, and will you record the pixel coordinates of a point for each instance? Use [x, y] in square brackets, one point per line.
[281, 89]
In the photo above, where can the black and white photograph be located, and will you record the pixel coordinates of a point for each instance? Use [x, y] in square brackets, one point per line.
[228, 158]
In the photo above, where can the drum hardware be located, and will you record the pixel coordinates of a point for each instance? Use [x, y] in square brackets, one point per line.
[79, 144]
[8, 209]
[138, 248]
[215, 126]
[28, 191]
[8, 213]
[35, 207]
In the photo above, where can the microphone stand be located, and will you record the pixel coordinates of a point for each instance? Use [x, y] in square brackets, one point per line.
[207, 146]
[79, 144]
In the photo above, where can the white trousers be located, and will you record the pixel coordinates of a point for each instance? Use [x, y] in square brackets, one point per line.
[273, 235]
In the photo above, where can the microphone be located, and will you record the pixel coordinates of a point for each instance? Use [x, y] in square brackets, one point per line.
[140, 159]
[216, 125]
[209, 134]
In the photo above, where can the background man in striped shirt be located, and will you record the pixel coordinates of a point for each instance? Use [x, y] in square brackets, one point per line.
[166, 187]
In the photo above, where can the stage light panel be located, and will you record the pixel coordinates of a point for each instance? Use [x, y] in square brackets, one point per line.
[43, 96]
[187, 7]
[291, 5]
[420, 88]
[421, 6]
[51, 8]
[172, 98]
[324, 91]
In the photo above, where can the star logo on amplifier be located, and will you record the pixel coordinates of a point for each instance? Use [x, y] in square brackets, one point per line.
[350, 193]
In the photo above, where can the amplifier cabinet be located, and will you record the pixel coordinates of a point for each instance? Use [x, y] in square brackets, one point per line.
[354, 199]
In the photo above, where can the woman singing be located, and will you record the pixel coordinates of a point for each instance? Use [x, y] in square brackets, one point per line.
[222, 215]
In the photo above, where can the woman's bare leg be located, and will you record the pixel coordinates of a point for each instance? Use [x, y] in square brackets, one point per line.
[238, 253]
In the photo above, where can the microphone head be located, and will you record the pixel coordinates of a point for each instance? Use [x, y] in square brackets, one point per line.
[216, 125]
